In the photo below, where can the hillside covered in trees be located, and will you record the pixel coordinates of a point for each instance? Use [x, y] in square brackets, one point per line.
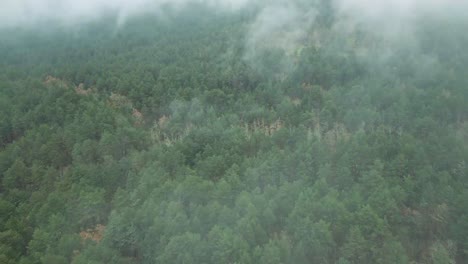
[267, 135]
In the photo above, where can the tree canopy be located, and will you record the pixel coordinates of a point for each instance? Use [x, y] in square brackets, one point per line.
[160, 142]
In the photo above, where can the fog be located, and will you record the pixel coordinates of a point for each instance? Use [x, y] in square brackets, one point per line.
[381, 14]
[279, 25]
[396, 17]
[20, 13]
[377, 13]
[391, 24]
[278, 131]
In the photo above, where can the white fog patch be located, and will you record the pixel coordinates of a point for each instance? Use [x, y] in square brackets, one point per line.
[378, 14]
[393, 25]
[20, 13]
[282, 27]
[279, 28]
[392, 18]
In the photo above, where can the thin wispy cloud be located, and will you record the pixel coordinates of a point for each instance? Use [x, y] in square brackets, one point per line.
[71, 12]
[277, 25]
[378, 12]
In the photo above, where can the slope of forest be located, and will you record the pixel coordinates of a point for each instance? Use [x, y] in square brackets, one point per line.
[170, 141]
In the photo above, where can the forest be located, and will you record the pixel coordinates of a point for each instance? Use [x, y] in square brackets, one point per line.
[266, 135]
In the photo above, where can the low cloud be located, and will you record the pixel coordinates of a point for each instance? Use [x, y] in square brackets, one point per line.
[20, 13]
[280, 29]
[393, 17]
[390, 26]
[394, 26]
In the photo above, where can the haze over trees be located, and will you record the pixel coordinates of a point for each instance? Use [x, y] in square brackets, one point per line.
[234, 132]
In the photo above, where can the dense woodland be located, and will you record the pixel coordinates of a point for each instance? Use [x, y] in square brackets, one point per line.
[158, 141]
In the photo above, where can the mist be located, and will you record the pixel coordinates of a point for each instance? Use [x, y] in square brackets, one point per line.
[280, 27]
[277, 30]
[233, 131]
[296, 15]
[27, 13]
[378, 13]
[392, 26]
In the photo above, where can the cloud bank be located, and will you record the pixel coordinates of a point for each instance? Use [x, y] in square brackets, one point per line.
[379, 13]
[278, 27]
[15, 13]
[390, 26]
[281, 26]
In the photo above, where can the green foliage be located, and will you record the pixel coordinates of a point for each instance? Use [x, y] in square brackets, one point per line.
[160, 142]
